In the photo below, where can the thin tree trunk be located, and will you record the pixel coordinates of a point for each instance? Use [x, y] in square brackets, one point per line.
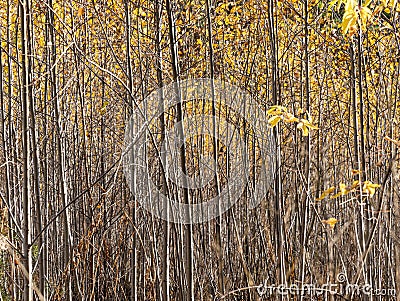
[36, 179]
[215, 153]
[187, 228]
[165, 262]
[9, 149]
[67, 236]
[26, 198]
[279, 231]
[357, 165]
[306, 203]
[365, 208]
[134, 260]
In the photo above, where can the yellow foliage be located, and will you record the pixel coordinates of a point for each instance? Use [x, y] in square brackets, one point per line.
[273, 121]
[326, 193]
[304, 125]
[370, 188]
[288, 117]
[331, 222]
[354, 14]
[276, 110]
[279, 113]
[81, 10]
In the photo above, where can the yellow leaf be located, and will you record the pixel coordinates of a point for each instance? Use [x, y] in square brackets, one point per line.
[81, 10]
[343, 188]
[273, 121]
[354, 185]
[331, 222]
[370, 187]
[336, 195]
[288, 117]
[349, 20]
[350, 4]
[365, 14]
[326, 193]
[350, 16]
[276, 110]
[353, 14]
[300, 111]
[305, 126]
[302, 127]
[343, 191]
[366, 3]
